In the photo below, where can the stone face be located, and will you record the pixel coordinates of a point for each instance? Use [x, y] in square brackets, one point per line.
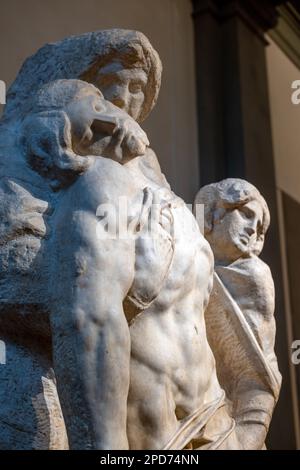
[105, 276]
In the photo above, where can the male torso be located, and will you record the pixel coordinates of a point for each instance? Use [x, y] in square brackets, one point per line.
[172, 366]
[172, 370]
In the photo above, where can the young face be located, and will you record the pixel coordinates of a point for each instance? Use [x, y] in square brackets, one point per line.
[238, 234]
[124, 88]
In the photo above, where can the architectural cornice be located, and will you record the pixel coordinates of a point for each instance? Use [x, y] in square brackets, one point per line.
[286, 34]
[259, 16]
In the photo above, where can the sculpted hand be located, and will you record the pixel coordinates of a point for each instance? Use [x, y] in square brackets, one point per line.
[128, 140]
[154, 249]
[251, 436]
[102, 129]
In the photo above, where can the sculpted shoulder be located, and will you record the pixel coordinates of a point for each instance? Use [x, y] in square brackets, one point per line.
[251, 284]
[105, 181]
[254, 268]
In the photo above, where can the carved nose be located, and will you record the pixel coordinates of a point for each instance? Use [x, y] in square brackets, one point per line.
[250, 230]
[121, 96]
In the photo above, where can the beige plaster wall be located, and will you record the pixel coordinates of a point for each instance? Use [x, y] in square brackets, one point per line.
[27, 25]
[285, 117]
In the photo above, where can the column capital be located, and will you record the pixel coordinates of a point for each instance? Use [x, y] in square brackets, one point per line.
[259, 16]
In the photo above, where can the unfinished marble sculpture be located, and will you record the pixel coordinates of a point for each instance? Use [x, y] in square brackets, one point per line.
[105, 334]
[240, 314]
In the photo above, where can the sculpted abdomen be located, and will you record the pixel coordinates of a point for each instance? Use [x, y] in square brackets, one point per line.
[174, 322]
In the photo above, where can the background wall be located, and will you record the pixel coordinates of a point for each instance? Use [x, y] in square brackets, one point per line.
[235, 140]
[27, 25]
[285, 119]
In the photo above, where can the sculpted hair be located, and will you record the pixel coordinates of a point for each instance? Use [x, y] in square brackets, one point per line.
[80, 57]
[229, 194]
[58, 94]
[46, 137]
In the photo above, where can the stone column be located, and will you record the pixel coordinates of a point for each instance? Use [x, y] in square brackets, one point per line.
[235, 137]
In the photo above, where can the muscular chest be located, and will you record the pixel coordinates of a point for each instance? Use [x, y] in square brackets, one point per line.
[190, 274]
[176, 260]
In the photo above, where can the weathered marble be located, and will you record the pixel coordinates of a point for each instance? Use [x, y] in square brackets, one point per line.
[105, 333]
[240, 315]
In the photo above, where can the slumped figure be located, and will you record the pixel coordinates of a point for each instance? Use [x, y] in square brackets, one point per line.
[120, 321]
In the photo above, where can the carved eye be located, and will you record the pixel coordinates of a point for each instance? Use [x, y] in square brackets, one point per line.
[135, 87]
[247, 213]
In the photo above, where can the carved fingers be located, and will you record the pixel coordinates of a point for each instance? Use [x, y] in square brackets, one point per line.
[154, 249]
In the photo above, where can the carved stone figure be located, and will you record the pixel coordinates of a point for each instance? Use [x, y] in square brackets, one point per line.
[240, 315]
[109, 330]
[70, 59]
[36, 167]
